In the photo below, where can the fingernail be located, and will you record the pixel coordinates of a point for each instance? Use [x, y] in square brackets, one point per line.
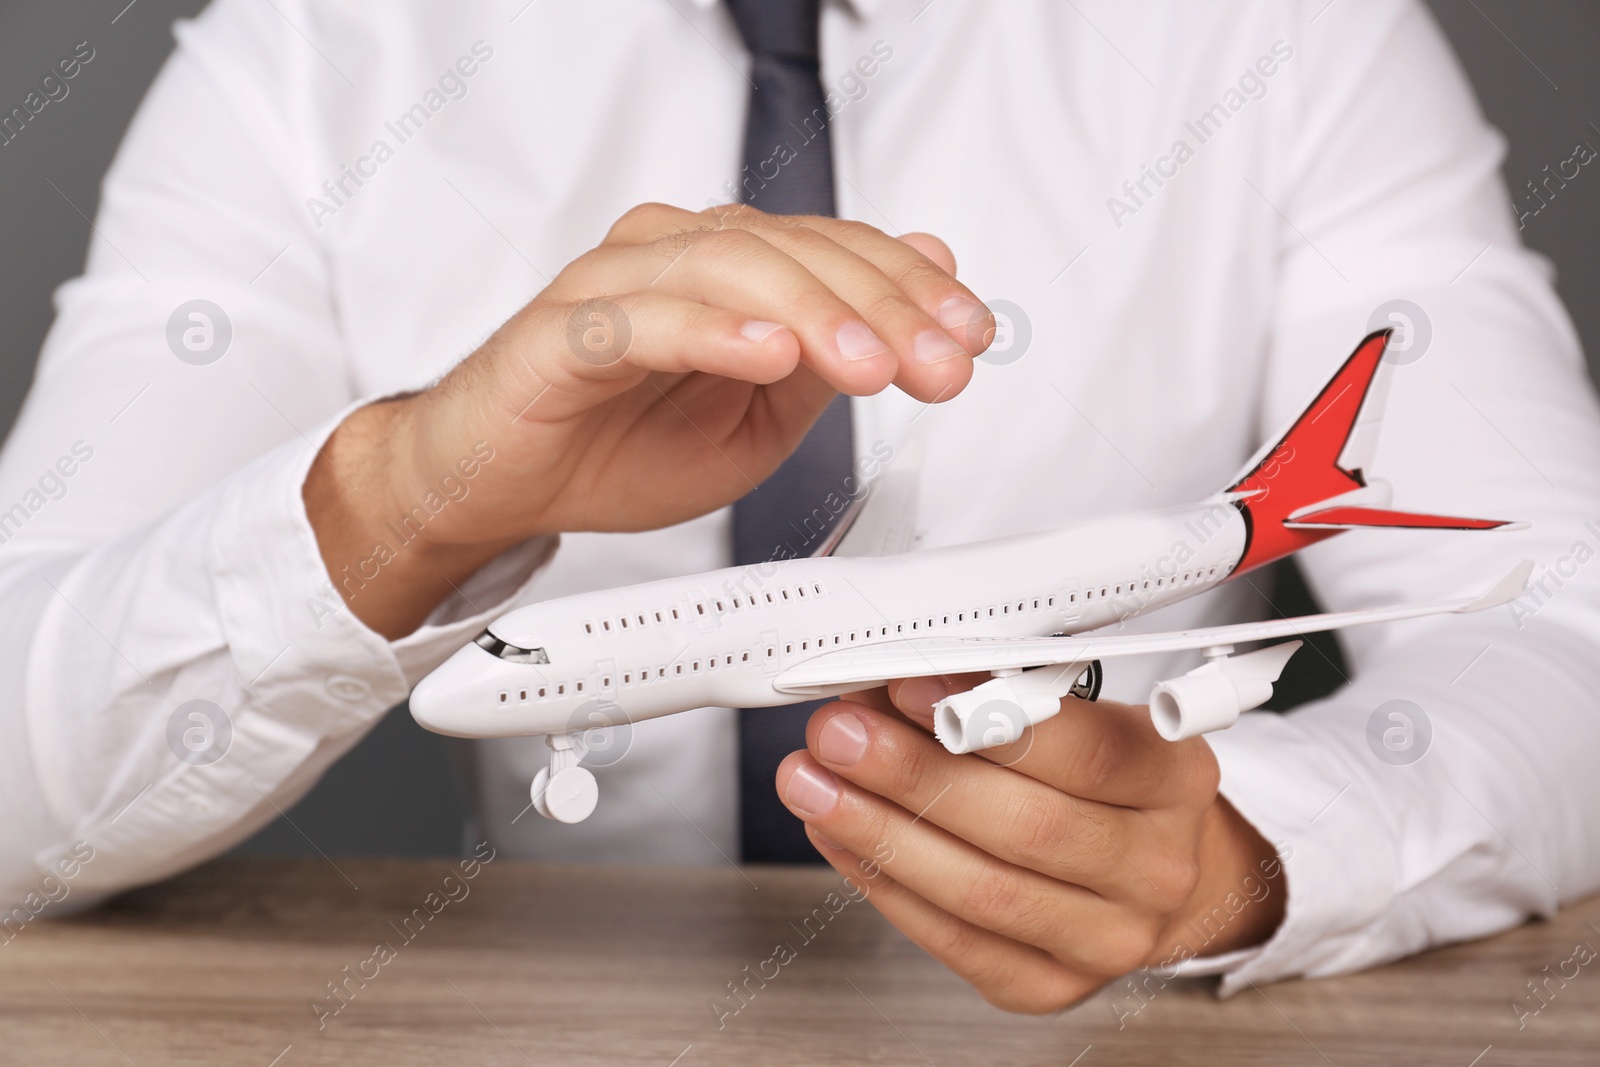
[758, 330]
[812, 790]
[931, 346]
[842, 740]
[958, 313]
[856, 341]
[917, 696]
[830, 842]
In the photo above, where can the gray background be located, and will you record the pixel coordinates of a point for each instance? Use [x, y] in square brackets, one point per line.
[1533, 65]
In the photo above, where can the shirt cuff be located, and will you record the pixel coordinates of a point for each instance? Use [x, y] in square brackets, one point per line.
[497, 587]
[1201, 966]
[258, 628]
[293, 640]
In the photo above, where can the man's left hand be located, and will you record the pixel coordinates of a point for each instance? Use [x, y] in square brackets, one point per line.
[1041, 870]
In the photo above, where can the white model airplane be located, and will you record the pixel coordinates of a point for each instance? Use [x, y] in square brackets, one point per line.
[1031, 609]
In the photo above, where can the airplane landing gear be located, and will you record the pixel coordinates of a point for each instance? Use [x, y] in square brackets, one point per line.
[564, 791]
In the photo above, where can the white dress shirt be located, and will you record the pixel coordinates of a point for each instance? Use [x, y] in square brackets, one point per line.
[366, 192]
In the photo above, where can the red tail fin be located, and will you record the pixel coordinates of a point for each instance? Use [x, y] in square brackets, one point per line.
[1288, 493]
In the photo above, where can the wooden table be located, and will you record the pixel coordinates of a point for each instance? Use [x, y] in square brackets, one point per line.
[566, 965]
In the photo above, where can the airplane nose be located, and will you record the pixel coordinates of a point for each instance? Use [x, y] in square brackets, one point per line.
[442, 701]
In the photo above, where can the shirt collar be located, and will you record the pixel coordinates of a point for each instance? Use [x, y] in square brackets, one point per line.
[862, 8]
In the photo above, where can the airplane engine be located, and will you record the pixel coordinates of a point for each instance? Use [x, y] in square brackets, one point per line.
[1213, 696]
[999, 710]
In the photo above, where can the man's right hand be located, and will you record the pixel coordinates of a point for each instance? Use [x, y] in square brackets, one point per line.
[660, 376]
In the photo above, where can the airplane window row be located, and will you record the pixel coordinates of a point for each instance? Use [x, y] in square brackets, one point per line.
[694, 666]
[1147, 585]
[843, 637]
[538, 692]
[900, 629]
[721, 605]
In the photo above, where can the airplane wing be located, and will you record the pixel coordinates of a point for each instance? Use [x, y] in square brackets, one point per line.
[921, 656]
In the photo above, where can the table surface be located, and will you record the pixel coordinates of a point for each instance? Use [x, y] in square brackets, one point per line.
[530, 964]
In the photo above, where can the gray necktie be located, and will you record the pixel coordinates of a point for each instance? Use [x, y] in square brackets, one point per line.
[786, 109]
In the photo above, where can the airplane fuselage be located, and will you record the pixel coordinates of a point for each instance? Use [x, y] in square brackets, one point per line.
[722, 637]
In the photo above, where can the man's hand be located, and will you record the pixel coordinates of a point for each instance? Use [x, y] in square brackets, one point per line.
[1041, 870]
[660, 376]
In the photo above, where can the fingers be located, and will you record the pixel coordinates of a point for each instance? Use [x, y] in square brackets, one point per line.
[915, 697]
[1073, 924]
[916, 276]
[934, 249]
[1100, 750]
[1117, 853]
[877, 699]
[653, 330]
[918, 264]
[737, 270]
[1009, 975]
[888, 292]
[618, 340]
[868, 308]
[924, 268]
[644, 223]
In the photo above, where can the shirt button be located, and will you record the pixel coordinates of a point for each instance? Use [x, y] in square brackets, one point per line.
[347, 688]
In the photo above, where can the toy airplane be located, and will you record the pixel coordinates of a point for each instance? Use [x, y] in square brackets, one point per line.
[799, 629]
